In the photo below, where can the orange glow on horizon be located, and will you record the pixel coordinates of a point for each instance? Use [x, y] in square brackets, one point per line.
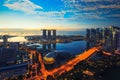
[61, 28]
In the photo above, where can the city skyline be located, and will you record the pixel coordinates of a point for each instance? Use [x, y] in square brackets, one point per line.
[59, 14]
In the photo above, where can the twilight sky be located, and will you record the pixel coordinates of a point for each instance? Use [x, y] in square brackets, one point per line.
[59, 14]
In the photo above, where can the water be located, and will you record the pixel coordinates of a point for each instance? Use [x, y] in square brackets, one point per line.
[82, 32]
[74, 47]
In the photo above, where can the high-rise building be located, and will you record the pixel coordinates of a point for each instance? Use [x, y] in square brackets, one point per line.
[93, 36]
[5, 40]
[101, 34]
[97, 34]
[54, 34]
[44, 34]
[49, 34]
[117, 40]
[109, 36]
[88, 34]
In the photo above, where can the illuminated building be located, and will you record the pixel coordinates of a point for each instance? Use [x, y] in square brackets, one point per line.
[93, 35]
[88, 36]
[117, 40]
[97, 34]
[101, 35]
[108, 39]
[57, 57]
[109, 36]
[112, 37]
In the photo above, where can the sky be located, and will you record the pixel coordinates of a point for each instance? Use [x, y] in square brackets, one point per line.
[59, 14]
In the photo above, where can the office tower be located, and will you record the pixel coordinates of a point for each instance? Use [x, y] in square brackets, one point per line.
[111, 35]
[109, 39]
[93, 37]
[97, 34]
[117, 40]
[100, 34]
[88, 34]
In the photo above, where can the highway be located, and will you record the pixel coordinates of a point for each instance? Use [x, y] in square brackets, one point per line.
[63, 68]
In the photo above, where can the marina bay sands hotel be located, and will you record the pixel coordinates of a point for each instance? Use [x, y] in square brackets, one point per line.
[48, 34]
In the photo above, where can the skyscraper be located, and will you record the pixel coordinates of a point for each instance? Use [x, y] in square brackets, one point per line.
[117, 40]
[88, 34]
[44, 34]
[54, 34]
[48, 34]
[5, 40]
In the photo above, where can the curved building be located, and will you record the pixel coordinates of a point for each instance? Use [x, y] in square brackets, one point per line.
[57, 57]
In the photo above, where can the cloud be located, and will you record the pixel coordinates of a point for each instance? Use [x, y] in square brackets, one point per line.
[113, 16]
[52, 14]
[89, 16]
[30, 8]
[97, 9]
[77, 4]
[96, 0]
[110, 6]
[89, 0]
[22, 5]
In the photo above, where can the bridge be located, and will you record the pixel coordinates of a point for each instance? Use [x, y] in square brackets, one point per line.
[63, 68]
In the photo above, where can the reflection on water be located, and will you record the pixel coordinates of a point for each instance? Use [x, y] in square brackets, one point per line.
[74, 47]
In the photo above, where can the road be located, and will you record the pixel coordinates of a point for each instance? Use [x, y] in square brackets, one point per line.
[63, 68]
